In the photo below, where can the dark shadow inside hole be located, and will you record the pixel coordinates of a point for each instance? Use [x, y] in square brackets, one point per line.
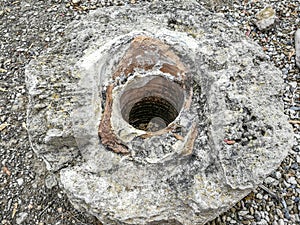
[152, 114]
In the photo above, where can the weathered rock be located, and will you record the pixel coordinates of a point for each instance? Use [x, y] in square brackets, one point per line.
[297, 47]
[265, 19]
[223, 141]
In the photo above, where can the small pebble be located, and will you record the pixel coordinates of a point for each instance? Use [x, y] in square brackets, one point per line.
[257, 216]
[76, 1]
[279, 213]
[295, 166]
[297, 218]
[265, 18]
[292, 180]
[263, 222]
[243, 213]
[259, 196]
[278, 175]
[293, 84]
[287, 215]
[271, 180]
[50, 181]
[20, 181]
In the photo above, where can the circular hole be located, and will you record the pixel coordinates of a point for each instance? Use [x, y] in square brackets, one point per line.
[152, 114]
[151, 105]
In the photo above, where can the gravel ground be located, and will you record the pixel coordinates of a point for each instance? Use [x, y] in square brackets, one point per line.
[30, 195]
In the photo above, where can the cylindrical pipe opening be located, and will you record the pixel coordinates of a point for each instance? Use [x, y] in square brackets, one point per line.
[152, 106]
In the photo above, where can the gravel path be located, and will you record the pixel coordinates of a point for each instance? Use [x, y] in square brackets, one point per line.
[30, 195]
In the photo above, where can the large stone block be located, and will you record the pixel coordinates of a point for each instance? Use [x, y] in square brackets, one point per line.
[157, 113]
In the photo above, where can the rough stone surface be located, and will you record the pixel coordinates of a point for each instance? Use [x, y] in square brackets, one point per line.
[242, 131]
[265, 19]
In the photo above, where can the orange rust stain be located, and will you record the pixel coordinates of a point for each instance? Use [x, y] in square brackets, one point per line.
[105, 132]
[145, 53]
